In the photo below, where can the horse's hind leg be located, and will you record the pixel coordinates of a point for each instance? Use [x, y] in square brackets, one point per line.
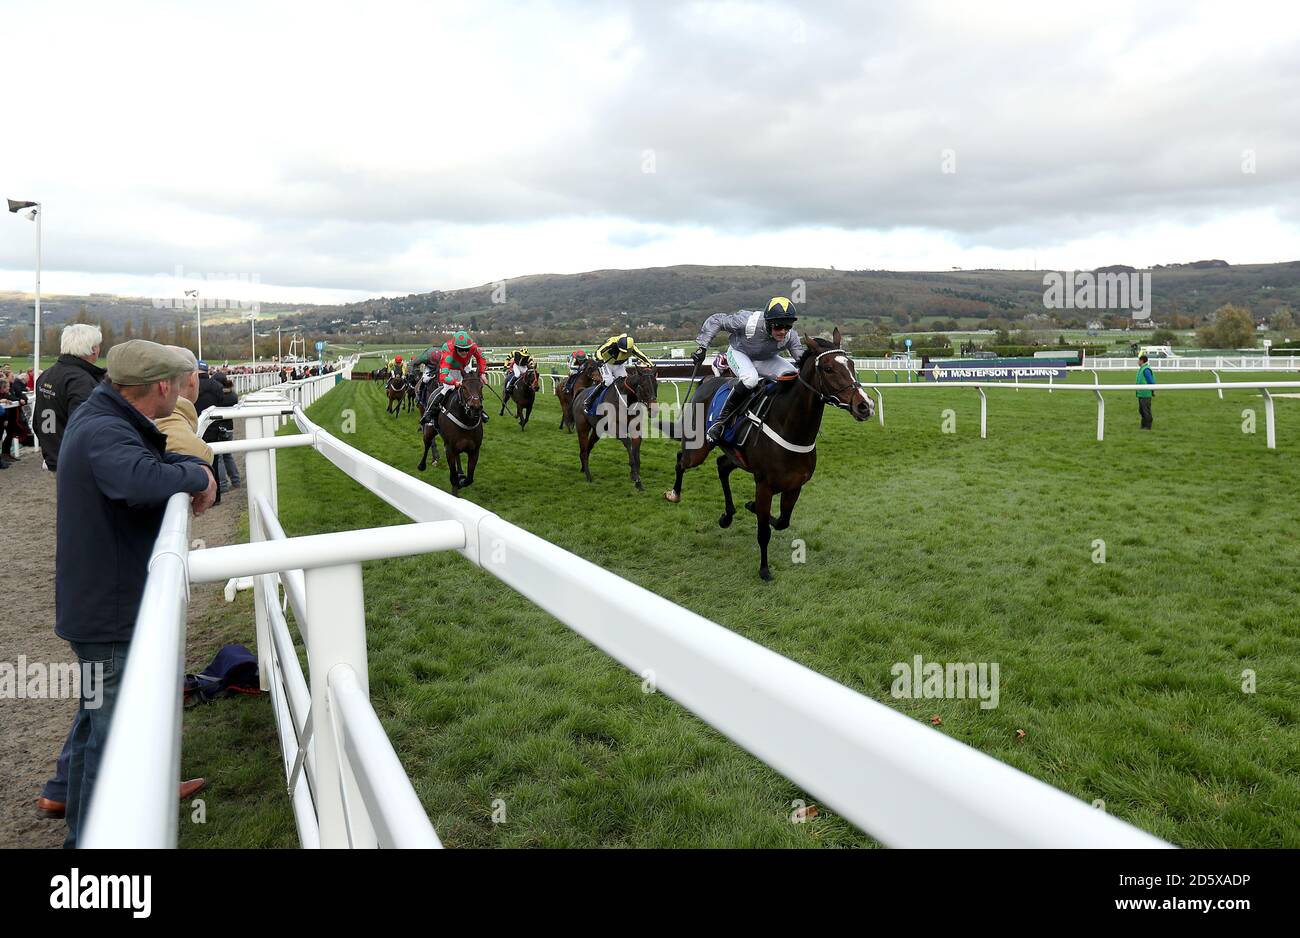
[788, 498]
[586, 440]
[726, 466]
[763, 508]
[686, 459]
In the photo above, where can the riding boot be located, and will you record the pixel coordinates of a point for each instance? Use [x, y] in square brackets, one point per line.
[740, 395]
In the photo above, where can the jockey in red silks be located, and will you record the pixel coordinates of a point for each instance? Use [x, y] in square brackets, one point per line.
[454, 359]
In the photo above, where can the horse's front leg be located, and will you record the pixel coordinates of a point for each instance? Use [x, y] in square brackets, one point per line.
[453, 468]
[788, 498]
[471, 459]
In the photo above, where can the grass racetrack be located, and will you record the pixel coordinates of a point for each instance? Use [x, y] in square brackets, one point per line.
[1126, 675]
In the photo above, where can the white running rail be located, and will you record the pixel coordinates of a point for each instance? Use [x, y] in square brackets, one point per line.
[905, 783]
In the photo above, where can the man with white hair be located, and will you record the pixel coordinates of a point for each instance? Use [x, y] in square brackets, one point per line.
[63, 388]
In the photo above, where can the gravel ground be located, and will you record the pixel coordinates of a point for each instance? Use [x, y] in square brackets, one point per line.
[32, 731]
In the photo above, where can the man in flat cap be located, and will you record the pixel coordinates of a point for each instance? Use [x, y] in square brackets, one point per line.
[115, 478]
[181, 423]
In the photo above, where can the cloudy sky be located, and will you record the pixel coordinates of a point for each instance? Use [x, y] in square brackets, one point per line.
[330, 151]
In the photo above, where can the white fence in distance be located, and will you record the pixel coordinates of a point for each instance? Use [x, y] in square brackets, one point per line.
[905, 783]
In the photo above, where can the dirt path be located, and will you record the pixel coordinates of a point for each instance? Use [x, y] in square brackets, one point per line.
[32, 731]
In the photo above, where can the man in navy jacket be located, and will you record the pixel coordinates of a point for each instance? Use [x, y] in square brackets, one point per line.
[115, 477]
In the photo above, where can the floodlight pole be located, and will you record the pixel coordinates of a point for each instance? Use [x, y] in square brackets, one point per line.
[198, 312]
[36, 335]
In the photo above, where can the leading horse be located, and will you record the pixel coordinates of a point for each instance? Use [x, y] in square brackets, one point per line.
[460, 423]
[625, 413]
[781, 451]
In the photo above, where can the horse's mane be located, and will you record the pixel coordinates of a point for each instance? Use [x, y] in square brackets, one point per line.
[823, 341]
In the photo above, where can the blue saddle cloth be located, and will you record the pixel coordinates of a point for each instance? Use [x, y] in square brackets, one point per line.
[594, 399]
[737, 422]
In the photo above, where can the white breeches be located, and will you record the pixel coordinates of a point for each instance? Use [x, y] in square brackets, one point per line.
[750, 372]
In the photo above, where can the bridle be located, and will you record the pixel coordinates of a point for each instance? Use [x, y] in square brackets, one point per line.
[831, 398]
[460, 399]
[640, 403]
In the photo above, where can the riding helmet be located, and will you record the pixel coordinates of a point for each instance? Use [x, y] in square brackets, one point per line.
[780, 312]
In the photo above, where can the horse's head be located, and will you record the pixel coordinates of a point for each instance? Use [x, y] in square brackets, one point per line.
[471, 390]
[642, 384]
[828, 369]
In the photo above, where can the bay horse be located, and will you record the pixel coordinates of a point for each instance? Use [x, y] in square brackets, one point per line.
[460, 423]
[412, 396]
[781, 453]
[396, 391]
[585, 377]
[640, 390]
[524, 394]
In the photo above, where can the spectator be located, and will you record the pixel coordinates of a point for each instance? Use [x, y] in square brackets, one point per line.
[227, 468]
[1145, 378]
[210, 394]
[180, 425]
[114, 480]
[65, 386]
[11, 428]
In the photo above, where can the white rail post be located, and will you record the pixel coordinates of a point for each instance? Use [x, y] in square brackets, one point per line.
[336, 635]
[269, 425]
[258, 482]
[880, 406]
[1101, 416]
[984, 415]
[1218, 379]
[1268, 419]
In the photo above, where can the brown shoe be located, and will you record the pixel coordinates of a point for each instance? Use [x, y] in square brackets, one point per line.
[54, 810]
[192, 787]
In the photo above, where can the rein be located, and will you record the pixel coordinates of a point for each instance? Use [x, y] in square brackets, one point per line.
[460, 399]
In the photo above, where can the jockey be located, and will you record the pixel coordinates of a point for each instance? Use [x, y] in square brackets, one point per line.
[614, 356]
[757, 337]
[520, 361]
[577, 361]
[453, 361]
[398, 368]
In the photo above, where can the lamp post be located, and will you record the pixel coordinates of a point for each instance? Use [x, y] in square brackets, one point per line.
[252, 336]
[198, 312]
[34, 215]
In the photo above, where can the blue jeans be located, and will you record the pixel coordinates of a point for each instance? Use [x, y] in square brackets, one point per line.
[56, 789]
[89, 734]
